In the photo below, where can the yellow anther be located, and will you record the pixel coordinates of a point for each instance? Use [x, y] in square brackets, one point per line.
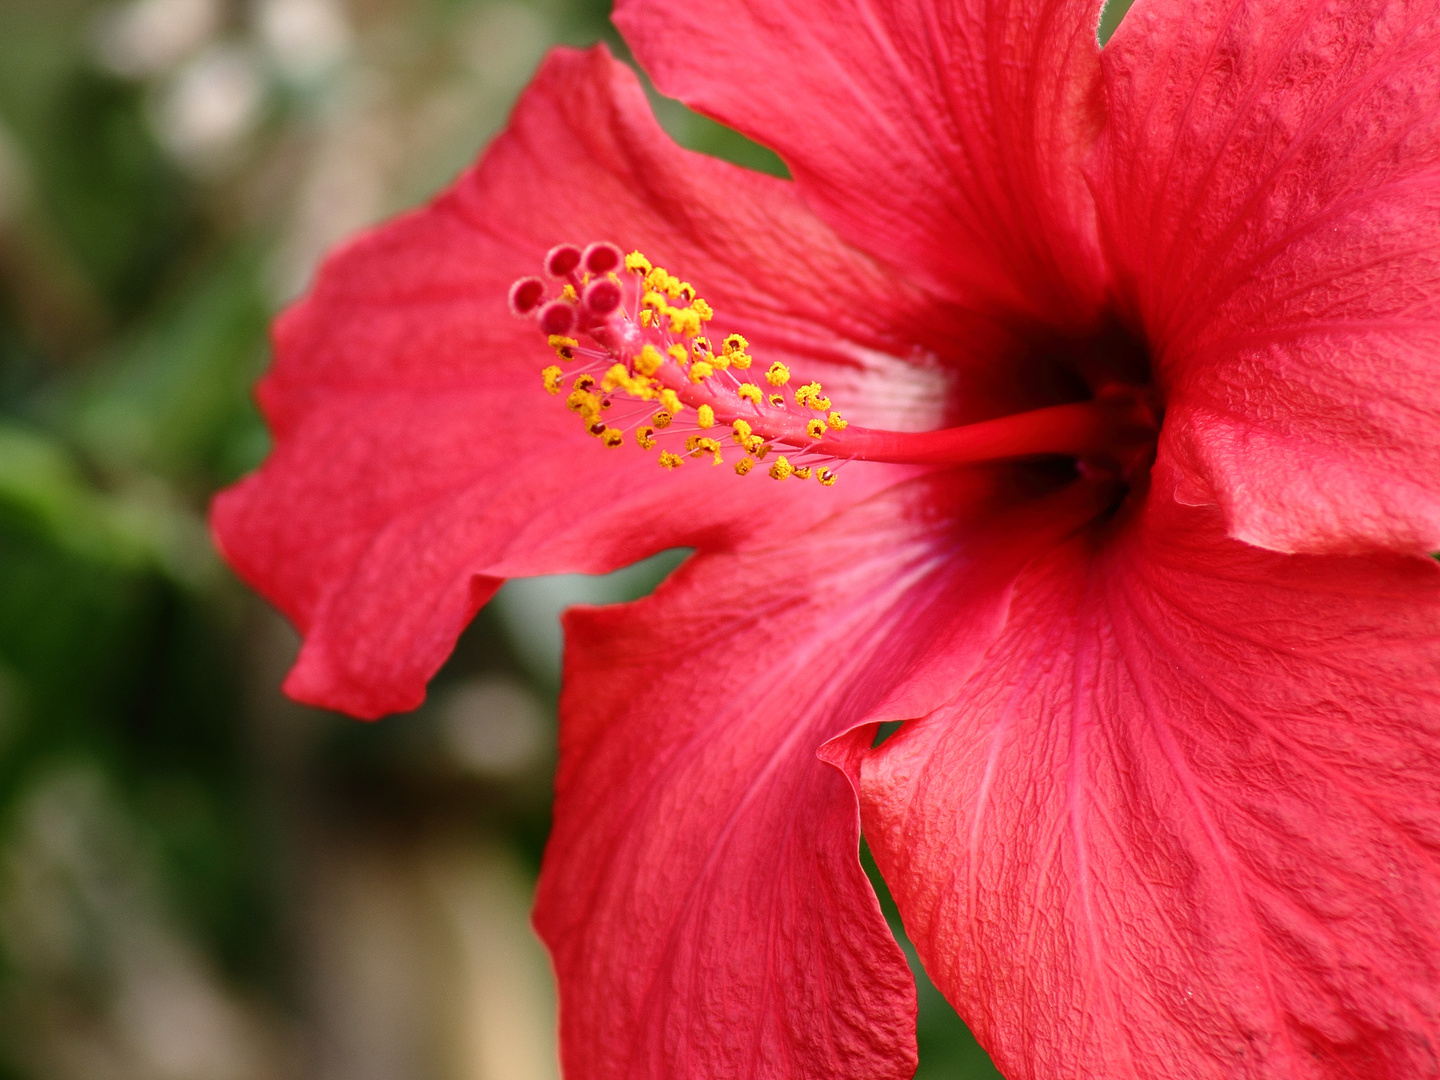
[617, 377]
[703, 444]
[684, 321]
[701, 349]
[569, 293]
[585, 403]
[809, 395]
[671, 304]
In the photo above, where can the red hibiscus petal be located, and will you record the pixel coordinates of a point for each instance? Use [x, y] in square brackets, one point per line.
[418, 461]
[942, 138]
[1182, 821]
[1270, 186]
[701, 894]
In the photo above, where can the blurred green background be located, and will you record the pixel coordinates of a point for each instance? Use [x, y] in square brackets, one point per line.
[198, 879]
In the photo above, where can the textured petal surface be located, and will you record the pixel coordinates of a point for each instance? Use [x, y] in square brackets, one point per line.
[1270, 186]
[418, 462]
[1182, 822]
[940, 137]
[701, 894]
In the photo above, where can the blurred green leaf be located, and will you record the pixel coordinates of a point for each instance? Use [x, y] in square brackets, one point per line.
[41, 41]
[698, 132]
[1110, 17]
[107, 663]
[42, 488]
[175, 398]
[122, 208]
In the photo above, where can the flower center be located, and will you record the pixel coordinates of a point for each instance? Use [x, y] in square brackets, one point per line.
[640, 367]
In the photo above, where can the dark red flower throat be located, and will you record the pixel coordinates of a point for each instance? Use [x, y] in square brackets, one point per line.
[641, 367]
[1106, 375]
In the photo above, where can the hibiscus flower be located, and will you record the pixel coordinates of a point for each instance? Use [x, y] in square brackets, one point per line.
[1138, 467]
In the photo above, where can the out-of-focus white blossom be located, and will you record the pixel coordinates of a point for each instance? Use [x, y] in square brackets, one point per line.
[147, 37]
[204, 114]
[303, 38]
